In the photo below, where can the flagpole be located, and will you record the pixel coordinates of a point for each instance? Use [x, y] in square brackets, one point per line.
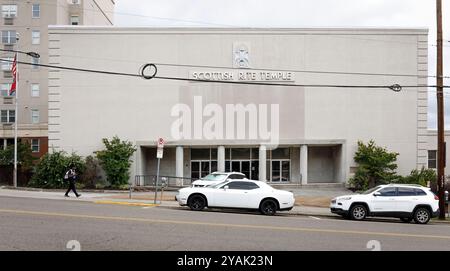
[16, 119]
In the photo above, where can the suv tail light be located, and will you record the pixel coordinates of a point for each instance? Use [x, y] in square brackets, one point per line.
[436, 197]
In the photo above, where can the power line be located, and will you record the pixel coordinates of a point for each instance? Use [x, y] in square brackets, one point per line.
[394, 87]
[261, 69]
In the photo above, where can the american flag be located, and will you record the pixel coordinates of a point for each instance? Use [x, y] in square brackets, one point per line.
[14, 73]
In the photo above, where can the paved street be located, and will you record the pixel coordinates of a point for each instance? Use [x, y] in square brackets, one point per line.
[43, 224]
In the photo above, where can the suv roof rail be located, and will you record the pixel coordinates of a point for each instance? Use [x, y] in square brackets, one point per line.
[405, 184]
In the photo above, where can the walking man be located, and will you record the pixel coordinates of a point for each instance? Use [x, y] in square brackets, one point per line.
[71, 177]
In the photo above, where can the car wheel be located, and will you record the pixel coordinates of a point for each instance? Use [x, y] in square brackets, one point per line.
[422, 215]
[358, 212]
[268, 207]
[406, 219]
[197, 203]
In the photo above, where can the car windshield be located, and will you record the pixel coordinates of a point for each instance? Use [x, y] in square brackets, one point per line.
[214, 177]
[370, 190]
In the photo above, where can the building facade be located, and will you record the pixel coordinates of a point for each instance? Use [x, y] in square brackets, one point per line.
[29, 20]
[301, 129]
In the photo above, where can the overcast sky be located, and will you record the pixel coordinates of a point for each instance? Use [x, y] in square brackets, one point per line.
[296, 13]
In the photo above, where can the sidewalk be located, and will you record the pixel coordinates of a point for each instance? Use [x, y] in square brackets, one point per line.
[144, 199]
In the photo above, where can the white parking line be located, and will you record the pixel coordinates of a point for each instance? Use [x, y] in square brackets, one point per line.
[315, 217]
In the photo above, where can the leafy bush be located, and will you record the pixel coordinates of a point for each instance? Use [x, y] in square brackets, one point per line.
[51, 168]
[116, 160]
[421, 177]
[375, 166]
[90, 177]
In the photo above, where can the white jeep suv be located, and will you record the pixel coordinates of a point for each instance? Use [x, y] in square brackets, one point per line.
[406, 202]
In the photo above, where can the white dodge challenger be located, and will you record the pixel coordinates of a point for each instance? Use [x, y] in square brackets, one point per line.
[242, 194]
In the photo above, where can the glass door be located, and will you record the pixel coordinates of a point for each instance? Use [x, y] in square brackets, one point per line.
[280, 170]
[200, 169]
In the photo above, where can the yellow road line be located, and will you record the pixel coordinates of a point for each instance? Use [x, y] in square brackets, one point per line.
[275, 228]
[125, 203]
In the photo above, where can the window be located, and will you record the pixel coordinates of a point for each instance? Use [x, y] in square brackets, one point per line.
[251, 186]
[7, 64]
[5, 89]
[35, 145]
[8, 116]
[34, 90]
[242, 185]
[74, 20]
[9, 11]
[432, 162]
[36, 10]
[35, 61]
[406, 192]
[35, 37]
[34, 116]
[388, 192]
[236, 177]
[419, 192]
[9, 37]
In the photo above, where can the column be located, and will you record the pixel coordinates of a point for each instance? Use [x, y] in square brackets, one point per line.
[179, 165]
[221, 159]
[139, 166]
[304, 163]
[262, 163]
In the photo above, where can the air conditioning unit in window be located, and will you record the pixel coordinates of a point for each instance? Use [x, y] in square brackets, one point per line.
[8, 46]
[7, 74]
[8, 20]
[7, 125]
[7, 100]
[76, 2]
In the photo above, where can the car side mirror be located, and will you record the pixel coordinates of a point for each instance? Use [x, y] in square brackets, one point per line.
[225, 187]
[376, 194]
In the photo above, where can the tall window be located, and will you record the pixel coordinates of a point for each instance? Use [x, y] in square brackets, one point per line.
[9, 11]
[35, 145]
[74, 20]
[432, 162]
[35, 61]
[7, 116]
[34, 116]
[5, 89]
[34, 90]
[36, 10]
[35, 37]
[9, 37]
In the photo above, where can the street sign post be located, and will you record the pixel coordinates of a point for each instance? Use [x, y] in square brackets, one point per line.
[159, 156]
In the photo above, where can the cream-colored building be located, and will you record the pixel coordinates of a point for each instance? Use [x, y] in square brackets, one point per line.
[314, 129]
[29, 20]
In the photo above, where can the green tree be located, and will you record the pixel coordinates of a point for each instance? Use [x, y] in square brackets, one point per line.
[375, 166]
[24, 155]
[51, 168]
[116, 160]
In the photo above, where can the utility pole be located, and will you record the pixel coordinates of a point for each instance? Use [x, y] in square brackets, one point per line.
[440, 113]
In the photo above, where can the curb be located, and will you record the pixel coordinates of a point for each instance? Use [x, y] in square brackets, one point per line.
[32, 189]
[125, 203]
